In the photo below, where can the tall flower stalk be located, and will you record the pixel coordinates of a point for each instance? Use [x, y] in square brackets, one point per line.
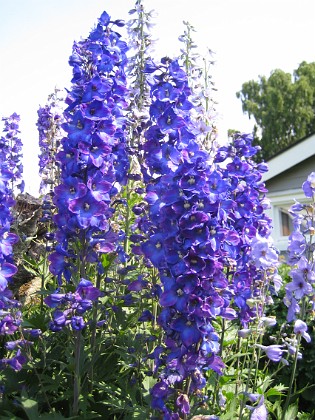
[11, 152]
[10, 178]
[49, 129]
[176, 172]
[93, 165]
[197, 68]
[300, 292]
[48, 124]
[92, 158]
[208, 236]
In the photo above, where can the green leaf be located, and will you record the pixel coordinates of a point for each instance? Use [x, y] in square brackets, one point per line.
[30, 407]
[276, 390]
[291, 412]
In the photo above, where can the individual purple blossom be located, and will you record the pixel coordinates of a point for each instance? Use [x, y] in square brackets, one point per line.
[292, 305]
[262, 253]
[244, 332]
[274, 352]
[77, 323]
[309, 185]
[16, 362]
[259, 411]
[182, 403]
[300, 328]
[298, 287]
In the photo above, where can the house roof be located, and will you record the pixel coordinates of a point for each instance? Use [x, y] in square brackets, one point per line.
[290, 157]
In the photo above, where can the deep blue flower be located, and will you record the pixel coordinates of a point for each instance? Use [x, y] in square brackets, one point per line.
[87, 209]
[97, 88]
[7, 270]
[79, 129]
[188, 332]
[77, 323]
[154, 249]
[169, 121]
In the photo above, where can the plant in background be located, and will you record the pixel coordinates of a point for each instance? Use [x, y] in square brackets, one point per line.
[203, 112]
[15, 343]
[299, 291]
[48, 124]
[11, 152]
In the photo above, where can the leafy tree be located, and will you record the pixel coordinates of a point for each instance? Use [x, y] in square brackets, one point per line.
[283, 107]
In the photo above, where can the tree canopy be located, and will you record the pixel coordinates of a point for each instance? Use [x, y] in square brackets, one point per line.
[283, 107]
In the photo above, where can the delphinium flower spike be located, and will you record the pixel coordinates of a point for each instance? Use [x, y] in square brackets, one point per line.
[11, 152]
[204, 220]
[92, 157]
[179, 245]
[203, 112]
[48, 124]
[299, 292]
[93, 165]
[10, 313]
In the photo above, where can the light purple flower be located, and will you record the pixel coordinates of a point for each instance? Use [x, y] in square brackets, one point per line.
[262, 253]
[300, 328]
[274, 352]
[309, 185]
[259, 412]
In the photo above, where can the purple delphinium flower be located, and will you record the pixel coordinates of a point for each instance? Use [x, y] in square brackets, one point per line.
[274, 352]
[92, 156]
[309, 185]
[299, 297]
[300, 328]
[259, 411]
[198, 214]
[262, 253]
[70, 308]
[10, 176]
[49, 131]
[11, 152]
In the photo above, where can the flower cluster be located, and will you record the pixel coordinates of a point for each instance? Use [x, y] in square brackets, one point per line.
[207, 237]
[300, 291]
[10, 172]
[48, 124]
[70, 307]
[11, 152]
[140, 45]
[203, 112]
[92, 158]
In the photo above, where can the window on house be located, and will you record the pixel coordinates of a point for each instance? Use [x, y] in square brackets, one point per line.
[286, 224]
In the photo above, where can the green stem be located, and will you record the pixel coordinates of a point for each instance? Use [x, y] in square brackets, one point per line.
[127, 220]
[93, 334]
[217, 381]
[238, 346]
[250, 368]
[292, 378]
[77, 378]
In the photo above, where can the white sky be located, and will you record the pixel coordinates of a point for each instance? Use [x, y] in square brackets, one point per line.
[249, 37]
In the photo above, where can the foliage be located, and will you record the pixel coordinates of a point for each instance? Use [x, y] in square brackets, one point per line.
[160, 281]
[283, 107]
